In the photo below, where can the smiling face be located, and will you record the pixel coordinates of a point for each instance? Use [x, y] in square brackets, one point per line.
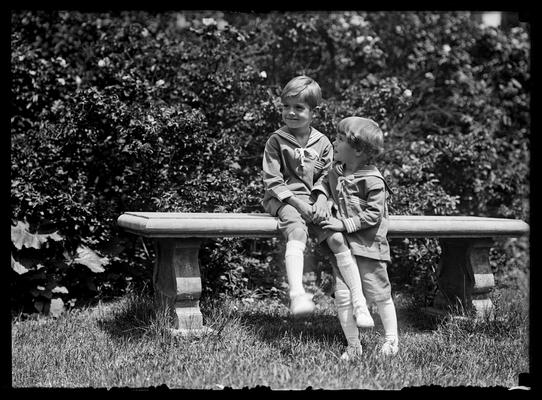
[343, 151]
[296, 114]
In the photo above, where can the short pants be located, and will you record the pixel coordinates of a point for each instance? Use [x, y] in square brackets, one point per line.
[374, 279]
[290, 219]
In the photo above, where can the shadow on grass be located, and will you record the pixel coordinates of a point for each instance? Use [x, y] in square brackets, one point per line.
[412, 319]
[134, 317]
[273, 328]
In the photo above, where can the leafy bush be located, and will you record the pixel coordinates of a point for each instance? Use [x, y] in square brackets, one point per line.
[148, 111]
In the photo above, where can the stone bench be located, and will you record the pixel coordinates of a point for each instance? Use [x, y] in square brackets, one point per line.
[465, 278]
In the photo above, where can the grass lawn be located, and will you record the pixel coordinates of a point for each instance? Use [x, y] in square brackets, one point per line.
[255, 342]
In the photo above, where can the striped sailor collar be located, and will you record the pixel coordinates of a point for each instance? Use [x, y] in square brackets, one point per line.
[314, 136]
[365, 170]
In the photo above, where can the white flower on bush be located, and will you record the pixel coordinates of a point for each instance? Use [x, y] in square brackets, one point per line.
[249, 116]
[263, 74]
[360, 39]
[356, 20]
[78, 80]
[208, 21]
[182, 22]
[160, 82]
[446, 48]
[407, 93]
[61, 81]
[343, 23]
[429, 75]
[101, 63]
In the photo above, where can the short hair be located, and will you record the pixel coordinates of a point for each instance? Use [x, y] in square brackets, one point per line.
[307, 89]
[363, 134]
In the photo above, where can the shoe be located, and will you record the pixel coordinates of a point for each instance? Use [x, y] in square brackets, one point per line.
[363, 318]
[390, 347]
[352, 352]
[302, 304]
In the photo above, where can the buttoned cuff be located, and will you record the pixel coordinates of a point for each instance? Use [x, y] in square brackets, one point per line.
[351, 224]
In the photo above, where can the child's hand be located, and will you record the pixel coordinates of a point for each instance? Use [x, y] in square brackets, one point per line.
[334, 224]
[330, 204]
[321, 212]
[305, 210]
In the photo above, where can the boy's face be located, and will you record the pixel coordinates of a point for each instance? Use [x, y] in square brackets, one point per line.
[296, 114]
[342, 150]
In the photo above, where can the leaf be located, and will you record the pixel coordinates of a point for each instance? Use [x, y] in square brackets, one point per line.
[38, 305]
[17, 267]
[21, 237]
[90, 259]
[57, 307]
[60, 289]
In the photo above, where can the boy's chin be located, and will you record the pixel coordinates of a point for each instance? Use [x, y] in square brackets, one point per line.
[296, 126]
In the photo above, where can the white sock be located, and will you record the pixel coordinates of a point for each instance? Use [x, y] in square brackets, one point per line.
[343, 303]
[293, 258]
[350, 273]
[386, 309]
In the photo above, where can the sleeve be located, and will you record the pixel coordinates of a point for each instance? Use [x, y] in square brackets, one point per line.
[372, 209]
[323, 186]
[273, 178]
[322, 183]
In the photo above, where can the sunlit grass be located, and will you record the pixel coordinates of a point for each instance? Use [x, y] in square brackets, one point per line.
[256, 343]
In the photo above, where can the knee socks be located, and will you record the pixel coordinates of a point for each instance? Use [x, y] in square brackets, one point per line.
[343, 303]
[346, 263]
[386, 310]
[294, 266]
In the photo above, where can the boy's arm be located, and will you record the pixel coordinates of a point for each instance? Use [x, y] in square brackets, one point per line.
[327, 159]
[273, 179]
[371, 214]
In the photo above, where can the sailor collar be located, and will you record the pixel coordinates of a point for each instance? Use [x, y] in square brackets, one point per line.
[314, 136]
[365, 171]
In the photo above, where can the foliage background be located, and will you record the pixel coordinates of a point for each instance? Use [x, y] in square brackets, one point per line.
[170, 111]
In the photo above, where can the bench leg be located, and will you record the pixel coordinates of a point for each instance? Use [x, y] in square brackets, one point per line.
[465, 279]
[177, 283]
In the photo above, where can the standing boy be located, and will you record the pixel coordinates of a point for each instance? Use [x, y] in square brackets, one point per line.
[359, 194]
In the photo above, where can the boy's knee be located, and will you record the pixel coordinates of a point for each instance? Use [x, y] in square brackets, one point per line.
[336, 242]
[298, 234]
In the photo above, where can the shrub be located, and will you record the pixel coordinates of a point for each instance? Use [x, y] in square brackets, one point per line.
[147, 111]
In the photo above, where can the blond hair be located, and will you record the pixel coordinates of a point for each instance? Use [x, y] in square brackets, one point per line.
[305, 88]
[363, 134]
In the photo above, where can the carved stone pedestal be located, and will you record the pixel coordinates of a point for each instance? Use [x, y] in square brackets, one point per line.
[177, 284]
[465, 279]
